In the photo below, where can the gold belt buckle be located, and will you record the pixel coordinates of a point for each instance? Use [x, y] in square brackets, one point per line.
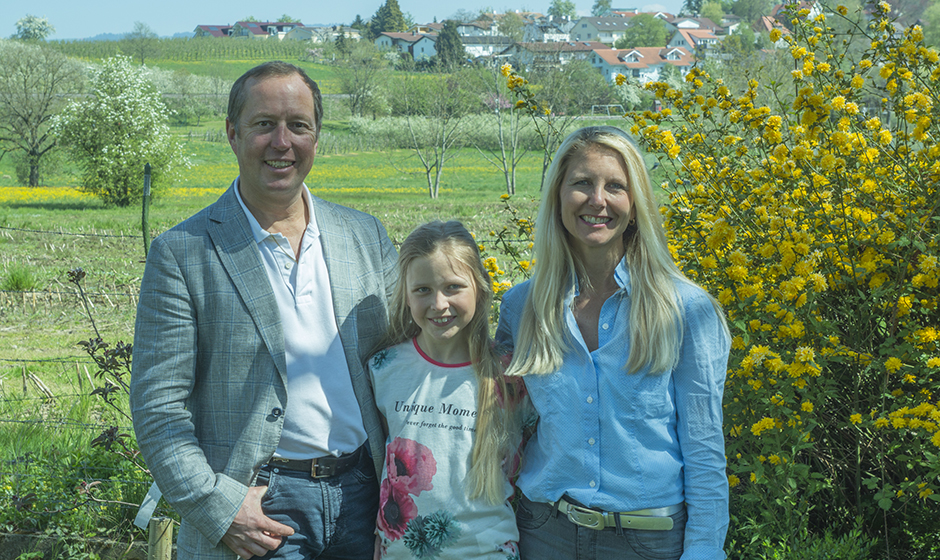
[585, 517]
[322, 470]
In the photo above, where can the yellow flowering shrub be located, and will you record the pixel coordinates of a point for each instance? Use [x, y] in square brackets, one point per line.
[810, 211]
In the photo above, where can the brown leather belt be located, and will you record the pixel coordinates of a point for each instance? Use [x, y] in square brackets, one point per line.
[321, 467]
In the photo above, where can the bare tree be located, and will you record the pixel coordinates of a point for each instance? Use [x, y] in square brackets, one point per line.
[434, 109]
[32, 88]
[360, 77]
[142, 42]
[510, 124]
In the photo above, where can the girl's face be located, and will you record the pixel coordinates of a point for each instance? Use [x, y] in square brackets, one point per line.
[442, 297]
[596, 203]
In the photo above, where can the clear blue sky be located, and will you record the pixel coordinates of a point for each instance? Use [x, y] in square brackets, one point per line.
[79, 19]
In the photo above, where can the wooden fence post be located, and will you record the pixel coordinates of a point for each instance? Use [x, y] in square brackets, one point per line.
[160, 538]
[145, 218]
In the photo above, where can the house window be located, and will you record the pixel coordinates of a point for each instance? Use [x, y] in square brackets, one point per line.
[636, 72]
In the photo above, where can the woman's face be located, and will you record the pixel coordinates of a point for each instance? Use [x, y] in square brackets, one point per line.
[596, 202]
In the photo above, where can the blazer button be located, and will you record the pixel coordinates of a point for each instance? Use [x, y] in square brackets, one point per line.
[277, 412]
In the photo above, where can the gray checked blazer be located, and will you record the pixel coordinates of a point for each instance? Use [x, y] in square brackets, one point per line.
[209, 372]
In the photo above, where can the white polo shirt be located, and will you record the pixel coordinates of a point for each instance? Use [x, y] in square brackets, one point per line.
[322, 416]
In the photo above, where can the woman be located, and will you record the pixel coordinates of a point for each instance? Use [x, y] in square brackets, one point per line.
[624, 359]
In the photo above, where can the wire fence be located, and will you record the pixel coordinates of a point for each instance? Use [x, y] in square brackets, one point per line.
[140, 236]
[69, 233]
[32, 408]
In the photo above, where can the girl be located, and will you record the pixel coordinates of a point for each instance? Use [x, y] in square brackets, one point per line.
[439, 386]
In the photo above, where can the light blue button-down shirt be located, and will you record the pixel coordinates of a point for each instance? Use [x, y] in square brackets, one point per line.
[617, 441]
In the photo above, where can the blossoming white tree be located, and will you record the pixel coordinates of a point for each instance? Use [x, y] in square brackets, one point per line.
[116, 130]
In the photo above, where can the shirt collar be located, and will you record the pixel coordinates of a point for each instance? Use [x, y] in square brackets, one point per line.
[261, 234]
[621, 276]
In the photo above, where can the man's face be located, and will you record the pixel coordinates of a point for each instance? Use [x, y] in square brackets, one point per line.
[276, 140]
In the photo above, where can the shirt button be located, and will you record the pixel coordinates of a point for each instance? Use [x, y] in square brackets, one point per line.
[605, 326]
[276, 412]
[591, 441]
[590, 400]
[592, 484]
[287, 266]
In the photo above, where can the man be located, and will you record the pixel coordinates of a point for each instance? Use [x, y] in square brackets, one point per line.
[250, 402]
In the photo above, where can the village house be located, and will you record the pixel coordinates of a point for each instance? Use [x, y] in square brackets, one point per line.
[690, 23]
[426, 28]
[482, 28]
[540, 56]
[694, 40]
[482, 46]
[602, 29]
[547, 30]
[640, 64]
[322, 34]
[665, 16]
[730, 23]
[213, 31]
[263, 30]
[421, 46]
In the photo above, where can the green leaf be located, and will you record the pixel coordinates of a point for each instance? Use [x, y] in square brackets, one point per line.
[885, 504]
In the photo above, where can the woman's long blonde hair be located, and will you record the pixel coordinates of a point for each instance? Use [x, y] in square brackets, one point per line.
[655, 326]
[495, 424]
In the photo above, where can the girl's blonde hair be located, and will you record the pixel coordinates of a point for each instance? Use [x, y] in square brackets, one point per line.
[494, 423]
[655, 326]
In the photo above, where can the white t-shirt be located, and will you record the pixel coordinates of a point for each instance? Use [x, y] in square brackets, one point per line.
[424, 511]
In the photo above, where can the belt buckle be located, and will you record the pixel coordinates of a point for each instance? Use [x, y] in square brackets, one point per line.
[585, 517]
[318, 470]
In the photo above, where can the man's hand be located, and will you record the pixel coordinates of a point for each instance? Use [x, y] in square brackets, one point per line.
[252, 533]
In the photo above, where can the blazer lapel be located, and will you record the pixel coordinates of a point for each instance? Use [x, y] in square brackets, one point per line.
[238, 252]
[333, 238]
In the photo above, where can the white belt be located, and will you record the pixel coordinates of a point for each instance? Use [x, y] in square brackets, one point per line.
[651, 519]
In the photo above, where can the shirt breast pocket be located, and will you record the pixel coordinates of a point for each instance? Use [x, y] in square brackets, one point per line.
[648, 398]
[648, 406]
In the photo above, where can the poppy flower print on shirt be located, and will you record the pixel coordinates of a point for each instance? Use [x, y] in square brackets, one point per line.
[396, 509]
[411, 464]
[410, 467]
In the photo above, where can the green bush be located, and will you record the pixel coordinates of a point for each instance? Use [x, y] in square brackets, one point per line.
[851, 546]
[813, 219]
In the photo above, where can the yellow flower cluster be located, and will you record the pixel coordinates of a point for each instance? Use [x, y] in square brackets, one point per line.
[810, 213]
[42, 194]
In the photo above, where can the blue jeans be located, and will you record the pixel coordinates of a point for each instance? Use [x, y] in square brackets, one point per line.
[333, 518]
[545, 534]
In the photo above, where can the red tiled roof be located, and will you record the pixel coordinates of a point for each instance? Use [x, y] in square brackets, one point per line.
[409, 37]
[215, 30]
[646, 56]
